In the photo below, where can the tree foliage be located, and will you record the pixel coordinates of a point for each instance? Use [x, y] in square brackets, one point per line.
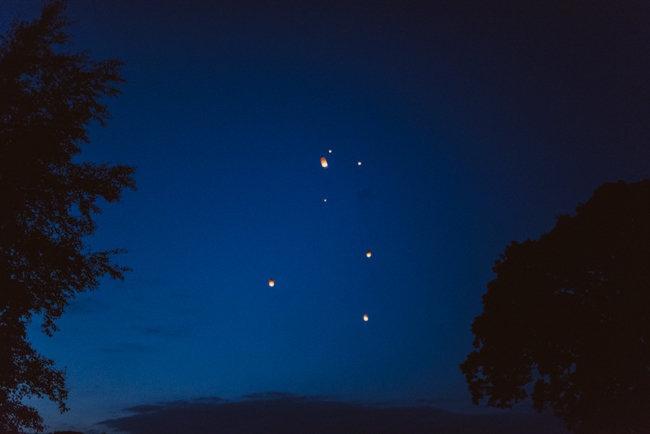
[48, 99]
[571, 313]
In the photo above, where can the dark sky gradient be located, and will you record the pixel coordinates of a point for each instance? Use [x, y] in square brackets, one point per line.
[475, 124]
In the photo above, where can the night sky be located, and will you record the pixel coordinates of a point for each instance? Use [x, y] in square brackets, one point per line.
[475, 123]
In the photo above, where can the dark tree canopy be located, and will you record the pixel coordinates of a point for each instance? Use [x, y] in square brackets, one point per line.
[48, 97]
[571, 313]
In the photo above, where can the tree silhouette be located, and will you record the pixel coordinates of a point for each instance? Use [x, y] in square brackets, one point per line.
[571, 311]
[48, 98]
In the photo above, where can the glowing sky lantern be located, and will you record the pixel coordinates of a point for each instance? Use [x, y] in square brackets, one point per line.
[359, 163]
[325, 200]
[330, 151]
[368, 254]
[271, 282]
[365, 317]
[323, 162]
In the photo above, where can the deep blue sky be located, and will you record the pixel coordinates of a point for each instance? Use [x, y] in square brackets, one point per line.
[475, 124]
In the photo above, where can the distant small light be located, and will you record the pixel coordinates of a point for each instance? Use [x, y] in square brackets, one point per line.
[368, 254]
[271, 282]
[365, 317]
[325, 200]
[323, 162]
[330, 151]
[359, 163]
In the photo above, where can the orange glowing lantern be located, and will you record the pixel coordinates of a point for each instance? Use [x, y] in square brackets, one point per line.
[359, 163]
[365, 317]
[323, 162]
[271, 282]
[368, 254]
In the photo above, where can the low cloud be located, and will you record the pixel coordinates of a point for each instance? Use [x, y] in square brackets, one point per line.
[212, 399]
[161, 330]
[276, 396]
[125, 347]
[286, 413]
[85, 306]
[437, 400]
[144, 408]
